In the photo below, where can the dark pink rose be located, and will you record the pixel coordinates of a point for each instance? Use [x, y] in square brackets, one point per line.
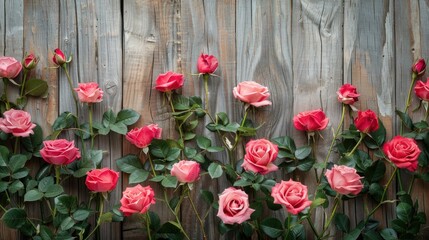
[422, 90]
[366, 121]
[207, 64]
[419, 67]
[137, 199]
[260, 155]
[403, 152]
[59, 57]
[347, 94]
[311, 121]
[169, 81]
[59, 152]
[142, 137]
[101, 180]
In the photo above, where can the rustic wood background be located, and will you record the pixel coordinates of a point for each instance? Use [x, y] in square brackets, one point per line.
[303, 50]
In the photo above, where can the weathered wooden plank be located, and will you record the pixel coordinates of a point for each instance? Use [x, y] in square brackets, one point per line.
[369, 65]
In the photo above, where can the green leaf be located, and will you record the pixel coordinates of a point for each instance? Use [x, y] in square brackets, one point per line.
[54, 190]
[231, 127]
[129, 163]
[388, 234]
[17, 162]
[302, 152]
[127, 117]
[203, 142]
[285, 142]
[190, 152]
[109, 118]
[376, 190]
[66, 204]
[33, 195]
[169, 181]
[67, 223]
[14, 218]
[119, 127]
[106, 217]
[242, 182]
[15, 186]
[404, 212]
[215, 170]
[158, 178]
[159, 148]
[207, 196]
[406, 120]
[214, 149]
[180, 102]
[375, 172]
[46, 233]
[298, 232]
[34, 141]
[378, 136]
[272, 227]
[36, 87]
[20, 173]
[21, 102]
[138, 176]
[81, 214]
[65, 120]
[222, 118]
[4, 156]
[3, 186]
[306, 164]
[342, 222]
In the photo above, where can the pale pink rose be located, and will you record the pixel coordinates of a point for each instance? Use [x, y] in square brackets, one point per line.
[344, 180]
[17, 122]
[293, 195]
[59, 152]
[9, 67]
[186, 171]
[142, 137]
[101, 180]
[252, 93]
[234, 206]
[260, 155]
[403, 152]
[89, 92]
[137, 199]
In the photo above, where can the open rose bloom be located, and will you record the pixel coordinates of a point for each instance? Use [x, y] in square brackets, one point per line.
[234, 206]
[403, 152]
[9, 67]
[252, 93]
[421, 89]
[101, 180]
[59, 152]
[137, 199]
[169, 81]
[347, 94]
[260, 155]
[17, 122]
[310, 121]
[142, 137]
[344, 180]
[366, 121]
[292, 195]
[186, 171]
[89, 92]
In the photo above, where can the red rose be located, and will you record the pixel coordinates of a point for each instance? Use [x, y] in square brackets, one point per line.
[422, 90]
[101, 180]
[59, 57]
[17, 122]
[311, 121]
[169, 81]
[252, 93]
[59, 152]
[142, 137]
[347, 94]
[30, 62]
[367, 121]
[186, 171]
[419, 67]
[137, 199]
[293, 195]
[260, 155]
[403, 152]
[9, 67]
[234, 206]
[89, 92]
[207, 64]
[344, 180]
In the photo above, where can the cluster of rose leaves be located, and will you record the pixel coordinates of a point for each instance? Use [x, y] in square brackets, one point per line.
[259, 157]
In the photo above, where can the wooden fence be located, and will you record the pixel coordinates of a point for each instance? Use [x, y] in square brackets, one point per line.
[302, 50]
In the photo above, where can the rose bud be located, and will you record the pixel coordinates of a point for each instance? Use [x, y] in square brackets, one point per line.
[403, 152]
[366, 121]
[347, 94]
[89, 92]
[344, 180]
[234, 206]
[293, 195]
[186, 171]
[30, 62]
[142, 137]
[260, 155]
[59, 57]
[207, 64]
[252, 93]
[137, 199]
[101, 180]
[17, 122]
[169, 81]
[9, 67]
[419, 67]
[59, 152]
[422, 90]
[310, 121]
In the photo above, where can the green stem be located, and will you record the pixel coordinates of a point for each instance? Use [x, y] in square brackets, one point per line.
[151, 165]
[5, 90]
[16, 147]
[71, 89]
[175, 213]
[24, 78]
[179, 127]
[362, 136]
[383, 195]
[2, 208]
[310, 222]
[198, 216]
[408, 102]
[313, 151]
[410, 188]
[100, 209]
[206, 89]
[57, 174]
[328, 223]
[398, 175]
[288, 226]
[148, 226]
[237, 136]
[91, 131]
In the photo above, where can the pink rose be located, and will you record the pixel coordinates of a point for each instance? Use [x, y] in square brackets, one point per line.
[293, 195]
[252, 93]
[403, 152]
[347, 94]
[419, 67]
[30, 62]
[89, 92]
[101, 180]
[207, 64]
[310, 121]
[59, 152]
[344, 180]
[422, 90]
[234, 206]
[59, 57]
[17, 122]
[9, 67]
[169, 81]
[367, 121]
[186, 171]
[142, 137]
[137, 199]
[260, 155]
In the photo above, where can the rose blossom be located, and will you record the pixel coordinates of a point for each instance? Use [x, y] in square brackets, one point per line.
[142, 137]
[59, 152]
[260, 155]
[89, 92]
[169, 81]
[186, 171]
[403, 152]
[30, 62]
[234, 206]
[59, 57]
[419, 67]
[9, 67]
[17, 122]
[344, 180]
[310, 121]
[366, 121]
[422, 90]
[207, 64]
[293, 195]
[347, 94]
[136, 199]
[252, 93]
[101, 180]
